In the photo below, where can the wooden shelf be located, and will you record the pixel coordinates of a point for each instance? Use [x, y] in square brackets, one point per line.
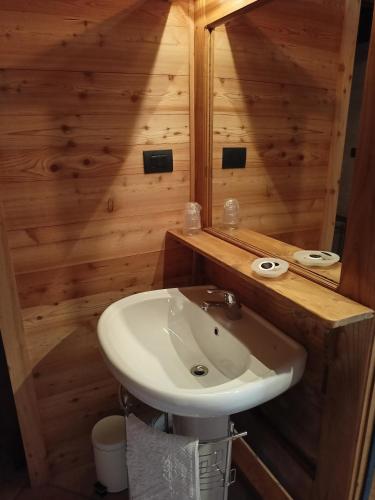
[261, 244]
[333, 309]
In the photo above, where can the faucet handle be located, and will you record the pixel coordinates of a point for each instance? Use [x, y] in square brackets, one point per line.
[229, 297]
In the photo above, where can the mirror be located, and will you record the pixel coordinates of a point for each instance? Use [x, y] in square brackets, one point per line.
[276, 145]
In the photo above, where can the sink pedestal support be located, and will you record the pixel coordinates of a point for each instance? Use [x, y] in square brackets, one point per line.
[214, 452]
[202, 428]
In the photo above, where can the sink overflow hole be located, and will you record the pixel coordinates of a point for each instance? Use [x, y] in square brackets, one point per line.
[216, 331]
[199, 370]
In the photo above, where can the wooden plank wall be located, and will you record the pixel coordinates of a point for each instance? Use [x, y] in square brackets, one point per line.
[276, 70]
[85, 87]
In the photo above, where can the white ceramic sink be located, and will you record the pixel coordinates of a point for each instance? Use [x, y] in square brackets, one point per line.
[152, 340]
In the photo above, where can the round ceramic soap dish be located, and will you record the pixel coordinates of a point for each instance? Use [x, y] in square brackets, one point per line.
[269, 267]
[319, 258]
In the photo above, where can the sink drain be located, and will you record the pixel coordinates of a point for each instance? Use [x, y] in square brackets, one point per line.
[199, 370]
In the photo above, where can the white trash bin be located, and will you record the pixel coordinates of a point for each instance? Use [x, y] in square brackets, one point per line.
[109, 442]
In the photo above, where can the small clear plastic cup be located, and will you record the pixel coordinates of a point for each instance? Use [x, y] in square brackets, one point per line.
[192, 218]
[231, 213]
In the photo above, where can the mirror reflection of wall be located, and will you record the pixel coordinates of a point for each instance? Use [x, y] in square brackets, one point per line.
[275, 80]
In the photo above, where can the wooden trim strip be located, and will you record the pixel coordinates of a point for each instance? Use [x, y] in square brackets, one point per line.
[191, 24]
[201, 111]
[332, 309]
[257, 473]
[12, 331]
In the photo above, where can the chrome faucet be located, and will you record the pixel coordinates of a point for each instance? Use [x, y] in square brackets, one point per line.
[230, 303]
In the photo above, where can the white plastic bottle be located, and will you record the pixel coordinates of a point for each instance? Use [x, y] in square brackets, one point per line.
[192, 218]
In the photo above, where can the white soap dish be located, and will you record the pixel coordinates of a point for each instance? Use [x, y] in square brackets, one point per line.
[269, 267]
[319, 258]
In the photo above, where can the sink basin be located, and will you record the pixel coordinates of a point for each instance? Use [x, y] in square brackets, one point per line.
[153, 340]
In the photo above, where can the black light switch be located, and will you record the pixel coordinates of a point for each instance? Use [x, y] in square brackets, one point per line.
[155, 162]
[234, 158]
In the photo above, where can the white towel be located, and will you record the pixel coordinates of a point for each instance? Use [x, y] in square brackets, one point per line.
[161, 466]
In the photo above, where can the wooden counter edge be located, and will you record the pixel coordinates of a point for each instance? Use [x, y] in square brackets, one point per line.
[337, 311]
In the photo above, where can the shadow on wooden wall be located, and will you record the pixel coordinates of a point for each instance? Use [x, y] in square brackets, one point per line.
[68, 159]
[84, 90]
